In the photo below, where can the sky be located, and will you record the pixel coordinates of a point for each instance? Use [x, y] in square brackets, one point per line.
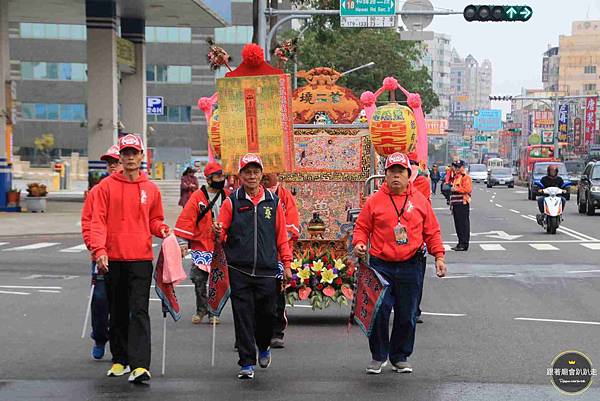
[514, 48]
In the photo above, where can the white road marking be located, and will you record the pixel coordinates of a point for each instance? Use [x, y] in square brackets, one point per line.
[3, 243]
[584, 236]
[299, 306]
[557, 321]
[30, 287]
[29, 247]
[515, 211]
[50, 276]
[520, 192]
[499, 205]
[570, 234]
[50, 291]
[595, 247]
[544, 247]
[491, 201]
[492, 247]
[14, 293]
[583, 271]
[444, 314]
[74, 249]
[155, 299]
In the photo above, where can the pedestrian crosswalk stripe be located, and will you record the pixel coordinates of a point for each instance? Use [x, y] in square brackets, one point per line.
[492, 247]
[544, 247]
[29, 247]
[3, 243]
[78, 248]
[595, 247]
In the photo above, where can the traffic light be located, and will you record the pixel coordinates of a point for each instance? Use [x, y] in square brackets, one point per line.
[501, 98]
[493, 13]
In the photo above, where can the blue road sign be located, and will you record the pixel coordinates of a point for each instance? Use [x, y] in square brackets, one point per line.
[488, 120]
[155, 105]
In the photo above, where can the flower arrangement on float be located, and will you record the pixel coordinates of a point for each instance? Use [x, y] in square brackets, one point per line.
[323, 277]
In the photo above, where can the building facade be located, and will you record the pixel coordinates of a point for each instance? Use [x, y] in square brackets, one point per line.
[437, 58]
[470, 84]
[48, 65]
[579, 68]
[550, 69]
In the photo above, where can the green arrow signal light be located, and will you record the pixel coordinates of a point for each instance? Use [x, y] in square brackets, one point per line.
[494, 13]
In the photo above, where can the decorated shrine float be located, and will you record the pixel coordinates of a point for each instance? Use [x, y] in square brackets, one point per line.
[326, 143]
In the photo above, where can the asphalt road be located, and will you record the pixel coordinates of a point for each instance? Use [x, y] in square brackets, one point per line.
[508, 307]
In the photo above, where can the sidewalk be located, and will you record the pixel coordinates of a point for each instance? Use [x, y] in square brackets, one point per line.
[60, 218]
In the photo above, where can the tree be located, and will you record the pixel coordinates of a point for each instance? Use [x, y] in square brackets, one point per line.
[44, 145]
[326, 44]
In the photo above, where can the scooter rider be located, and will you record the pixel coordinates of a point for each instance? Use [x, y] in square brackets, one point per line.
[552, 179]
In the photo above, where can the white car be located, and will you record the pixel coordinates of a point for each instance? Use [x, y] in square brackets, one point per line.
[478, 172]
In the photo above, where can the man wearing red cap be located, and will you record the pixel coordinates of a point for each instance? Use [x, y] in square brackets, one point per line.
[396, 221]
[194, 231]
[99, 299]
[127, 211]
[252, 225]
[292, 223]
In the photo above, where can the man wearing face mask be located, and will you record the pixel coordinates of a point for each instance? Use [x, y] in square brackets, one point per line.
[194, 232]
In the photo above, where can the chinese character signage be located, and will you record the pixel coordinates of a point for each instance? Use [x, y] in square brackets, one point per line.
[255, 116]
[436, 127]
[543, 119]
[370, 292]
[322, 99]
[590, 118]
[563, 122]
[488, 120]
[577, 131]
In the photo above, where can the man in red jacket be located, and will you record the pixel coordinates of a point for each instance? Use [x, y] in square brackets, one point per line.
[396, 221]
[99, 299]
[252, 226]
[292, 224]
[194, 231]
[127, 211]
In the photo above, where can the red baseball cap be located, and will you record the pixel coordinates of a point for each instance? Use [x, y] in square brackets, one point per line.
[131, 141]
[111, 153]
[249, 158]
[398, 159]
[212, 168]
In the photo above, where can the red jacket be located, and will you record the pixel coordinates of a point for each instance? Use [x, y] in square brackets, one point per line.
[292, 219]
[423, 185]
[378, 218]
[201, 235]
[86, 218]
[283, 250]
[125, 216]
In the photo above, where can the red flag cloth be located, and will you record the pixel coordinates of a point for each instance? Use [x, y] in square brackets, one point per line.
[370, 292]
[218, 281]
[166, 291]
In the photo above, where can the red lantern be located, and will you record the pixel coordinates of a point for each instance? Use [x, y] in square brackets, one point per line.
[393, 129]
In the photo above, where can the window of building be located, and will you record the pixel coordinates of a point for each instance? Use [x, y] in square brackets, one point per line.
[173, 114]
[589, 87]
[53, 111]
[168, 34]
[237, 34]
[589, 69]
[177, 74]
[56, 71]
[52, 31]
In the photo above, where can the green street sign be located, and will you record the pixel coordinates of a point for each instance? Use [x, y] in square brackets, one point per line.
[517, 13]
[366, 8]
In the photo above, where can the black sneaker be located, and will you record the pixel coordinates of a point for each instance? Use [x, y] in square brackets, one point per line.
[419, 319]
[277, 343]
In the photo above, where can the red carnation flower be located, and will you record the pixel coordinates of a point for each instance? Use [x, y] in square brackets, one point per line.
[338, 281]
[306, 281]
[329, 266]
[293, 284]
[325, 259]
[320, 287]
[319, 273]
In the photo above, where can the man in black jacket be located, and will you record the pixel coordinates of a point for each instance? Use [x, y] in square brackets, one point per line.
[552, 179]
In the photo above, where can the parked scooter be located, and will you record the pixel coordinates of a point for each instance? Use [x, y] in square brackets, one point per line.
[553, 209]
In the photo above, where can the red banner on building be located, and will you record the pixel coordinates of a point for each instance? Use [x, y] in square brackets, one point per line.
[590, 118]
[370, 291]
[577, 132]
